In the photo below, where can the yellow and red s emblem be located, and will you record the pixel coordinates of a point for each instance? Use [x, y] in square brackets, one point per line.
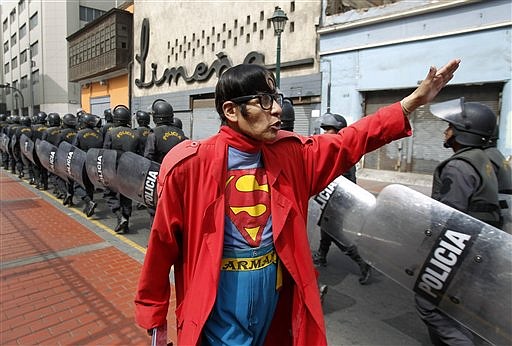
[248, 202]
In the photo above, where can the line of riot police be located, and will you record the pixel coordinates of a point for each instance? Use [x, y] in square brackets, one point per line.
[78, 155]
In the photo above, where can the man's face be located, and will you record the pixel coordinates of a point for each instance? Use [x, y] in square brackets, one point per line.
[329, 130]
[258, 123]
[448, 134]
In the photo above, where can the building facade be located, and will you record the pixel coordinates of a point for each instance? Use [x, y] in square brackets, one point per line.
[35, 54]
[377, 56]
[182, 47]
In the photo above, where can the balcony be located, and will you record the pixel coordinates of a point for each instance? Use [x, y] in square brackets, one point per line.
[103, 46]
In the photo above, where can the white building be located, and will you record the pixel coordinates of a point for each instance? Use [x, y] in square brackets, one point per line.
[35, 54]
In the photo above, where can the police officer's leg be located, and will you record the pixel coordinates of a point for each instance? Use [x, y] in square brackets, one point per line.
[320, 256]
[442, 329]
[126, 212]
[364, 267]
[31, 174]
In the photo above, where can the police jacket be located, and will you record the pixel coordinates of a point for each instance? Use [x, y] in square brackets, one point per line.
[143, 132]
[39, 130]
[122, 139]
[23, 130]
[477, 198]
[502, 169]
[52, 135]
[88, 138]
[67, 134]
[161, 139]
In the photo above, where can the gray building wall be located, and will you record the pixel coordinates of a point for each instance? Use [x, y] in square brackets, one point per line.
[392, 47]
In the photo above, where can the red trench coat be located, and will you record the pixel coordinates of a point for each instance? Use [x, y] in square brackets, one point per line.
[188, 229]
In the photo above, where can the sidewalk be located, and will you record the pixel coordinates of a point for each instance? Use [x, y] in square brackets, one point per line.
[61, 283]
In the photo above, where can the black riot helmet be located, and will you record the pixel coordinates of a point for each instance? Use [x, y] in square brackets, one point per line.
[89, 120]
[176, 122]
[333, 120]
[107, 114]
[54, 119]
[69, 120]
[143, 118]
[162, 112]
[3, 117]
[25, 121]
[16, 119]
[121, 115]
[41, 117]
[287, 115]
[473, 123]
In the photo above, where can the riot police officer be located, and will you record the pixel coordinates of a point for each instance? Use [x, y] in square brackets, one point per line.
[11, 134]
[3, 139]
[24, 129]
[109, 122]
[87, 138]
[52, 136]
[68, 134]
[287, 115]
[143, 119]
[121, 138]
[331, 124]
[164, 135]
[466, 181]
[40, 173]
[176, 122]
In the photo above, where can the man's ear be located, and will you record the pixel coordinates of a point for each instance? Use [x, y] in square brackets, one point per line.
[231, 111]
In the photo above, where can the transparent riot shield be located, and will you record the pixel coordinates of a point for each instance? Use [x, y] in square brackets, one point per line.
[47, 154]
[27, 148]
[137, 178]
[72, 161]
[457, 262]
[101, 167]
[15, 152]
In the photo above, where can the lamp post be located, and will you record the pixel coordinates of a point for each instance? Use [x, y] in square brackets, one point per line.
[20, 108]
[279, 19]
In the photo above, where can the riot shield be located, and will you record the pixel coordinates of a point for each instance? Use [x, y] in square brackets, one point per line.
[458, 263]
[71, 160]
[506, 211]
[47, 154]
[4, 141]
[101, 167]
[137, 178]
[27, 147]
[15, 152]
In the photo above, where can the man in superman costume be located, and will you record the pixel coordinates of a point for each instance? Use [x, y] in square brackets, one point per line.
[231, 216]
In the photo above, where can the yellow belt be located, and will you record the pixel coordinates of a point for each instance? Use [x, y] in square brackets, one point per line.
[251, 263]
[254, 263]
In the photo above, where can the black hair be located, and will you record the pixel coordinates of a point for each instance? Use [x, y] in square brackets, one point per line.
[242, 80]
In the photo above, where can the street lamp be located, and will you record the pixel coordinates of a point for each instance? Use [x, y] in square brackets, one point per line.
[279, 19]
[20, 110]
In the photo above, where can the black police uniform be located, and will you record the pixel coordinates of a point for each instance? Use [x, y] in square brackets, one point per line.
[11, 134]
[67, 134]
[121, 139]
[40, 173]
[27, 131]
[161, 139]
[86, 139]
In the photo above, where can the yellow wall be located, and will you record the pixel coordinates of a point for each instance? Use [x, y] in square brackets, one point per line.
[116, 88]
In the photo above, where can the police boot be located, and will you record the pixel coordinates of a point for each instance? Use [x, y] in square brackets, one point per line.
[122, 223]
[320, 258]
[363, 266]
[323, 291]
[89, 207]
[32, 181]
[68, 200]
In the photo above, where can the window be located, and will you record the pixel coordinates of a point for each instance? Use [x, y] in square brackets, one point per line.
[35, 77]
[248, 38]
[14, 62]
[6, 25]
[254, 27]
[7, 68]
[15, 84]
[292, 6]
[6, 46]
[23, 31]
[248, 20]
[23, 56]
[21, 6]
[292, 26]
[23, 82]
[262, 15]
[34, 49]
[88, 14]
[12, 16]
[32, 22]
[13, 39]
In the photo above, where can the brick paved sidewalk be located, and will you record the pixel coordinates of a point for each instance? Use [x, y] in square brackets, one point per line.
[62, 284]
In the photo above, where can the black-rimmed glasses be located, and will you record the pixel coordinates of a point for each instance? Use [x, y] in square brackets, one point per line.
[266, 100]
